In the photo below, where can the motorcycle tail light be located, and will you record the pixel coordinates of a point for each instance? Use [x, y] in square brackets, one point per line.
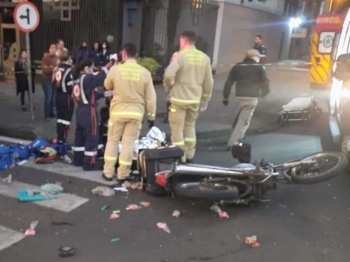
[161, 178]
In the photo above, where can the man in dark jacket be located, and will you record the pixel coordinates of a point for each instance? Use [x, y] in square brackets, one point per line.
[251, 83]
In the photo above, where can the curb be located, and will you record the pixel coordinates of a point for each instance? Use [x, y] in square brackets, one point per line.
[204, 135]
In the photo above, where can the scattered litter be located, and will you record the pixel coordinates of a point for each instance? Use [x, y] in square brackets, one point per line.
[8, 179]
[113, 216]
[67, 251]
[126, 184]
[292, 214]
[33, 195]
[104, 208]
[145, 204]
[176, 213]
[31, 231]
[252, 241]
[136, 186]
[133, 207]
[115, 211]
[52, 189]
[122, 189]
[217, 209]
[284, 206]
[103, 191]
[164, 226]
[328, 184]
[238, 237]
[115, 240]
[61, 224]
[67, 159]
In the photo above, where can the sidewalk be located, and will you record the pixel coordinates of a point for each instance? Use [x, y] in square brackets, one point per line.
[216, 121]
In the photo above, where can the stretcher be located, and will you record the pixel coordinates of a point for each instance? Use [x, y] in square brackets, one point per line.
[303, 108]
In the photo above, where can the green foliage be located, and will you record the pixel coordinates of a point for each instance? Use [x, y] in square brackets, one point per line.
[151, 64]
[156, 52]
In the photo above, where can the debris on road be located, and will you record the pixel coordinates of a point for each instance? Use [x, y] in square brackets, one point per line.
[104, 208]
[61, 224]
[145, 204]
[67, 251]
[133, 207]
[115, 239]
[252, 241]
[8, 179]
[31, 231]
[164, 226]
[122, 189]
[217, 209]
[103, 191]
[52, 189]
[176, 213]
[113, 216]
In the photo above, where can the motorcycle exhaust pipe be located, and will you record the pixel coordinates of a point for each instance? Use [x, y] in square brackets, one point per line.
[182, 169]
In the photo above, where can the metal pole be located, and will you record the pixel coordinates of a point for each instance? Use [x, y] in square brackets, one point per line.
[29, 66]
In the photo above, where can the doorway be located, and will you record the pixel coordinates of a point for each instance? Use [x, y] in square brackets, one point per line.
[10, 38]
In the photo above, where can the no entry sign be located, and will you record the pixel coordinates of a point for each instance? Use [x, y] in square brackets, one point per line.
[26, 17]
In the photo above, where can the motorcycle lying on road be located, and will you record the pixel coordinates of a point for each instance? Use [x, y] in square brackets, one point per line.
[242, 183]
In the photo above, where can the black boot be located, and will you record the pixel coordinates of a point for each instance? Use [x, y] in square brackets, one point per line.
[109, 179]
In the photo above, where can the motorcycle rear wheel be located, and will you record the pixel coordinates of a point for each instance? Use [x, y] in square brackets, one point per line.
[211, 191]
[322, 170]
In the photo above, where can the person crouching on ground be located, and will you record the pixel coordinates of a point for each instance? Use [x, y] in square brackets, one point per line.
[251, 83]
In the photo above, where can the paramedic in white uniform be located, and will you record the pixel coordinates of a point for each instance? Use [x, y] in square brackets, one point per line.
[251, 83]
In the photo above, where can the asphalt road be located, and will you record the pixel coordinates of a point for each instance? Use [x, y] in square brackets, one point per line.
[300, 223]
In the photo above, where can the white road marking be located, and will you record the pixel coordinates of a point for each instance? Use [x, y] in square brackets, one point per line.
[65, 202]
[9, 237]
[14, 140]
[69, 171]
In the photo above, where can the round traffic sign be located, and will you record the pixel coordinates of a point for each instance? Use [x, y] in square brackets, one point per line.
[26, 17]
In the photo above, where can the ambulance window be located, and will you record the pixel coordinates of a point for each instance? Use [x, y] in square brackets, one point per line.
[335, 46]
[325, 42]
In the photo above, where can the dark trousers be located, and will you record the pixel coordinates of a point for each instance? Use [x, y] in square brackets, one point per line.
[65, 110]
[49, 92]
[22, 97]
[86, 137]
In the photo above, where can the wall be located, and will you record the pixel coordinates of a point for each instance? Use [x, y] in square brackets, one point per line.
[204, 28]
[239, 26]
[132, 33]
[271, 6]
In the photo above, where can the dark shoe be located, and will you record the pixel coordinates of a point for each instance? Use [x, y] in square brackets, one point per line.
[120, 182]
[109, 179]
[24, 108]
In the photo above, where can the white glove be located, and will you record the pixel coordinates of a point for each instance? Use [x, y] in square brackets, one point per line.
[113, 57]
[203, 106]
[108, 93]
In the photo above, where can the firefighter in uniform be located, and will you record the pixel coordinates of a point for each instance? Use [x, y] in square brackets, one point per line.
[86, 95]
[189, 81]
[133, 90]
[63, 79]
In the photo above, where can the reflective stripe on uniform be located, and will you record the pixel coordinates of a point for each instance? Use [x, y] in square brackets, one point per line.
[64, 87]
[83, 97]
[182, 143]
[64, 122]
[125, 163]
[151, 115]
[190, 139]
[185, 101]
[90, 153]
[70, 83]
[100, 146]
[110, 158]
[78, 149]
[127, 113]
[207, 96]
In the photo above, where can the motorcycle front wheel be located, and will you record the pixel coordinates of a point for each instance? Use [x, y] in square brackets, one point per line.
[323, 166]
[212, 191]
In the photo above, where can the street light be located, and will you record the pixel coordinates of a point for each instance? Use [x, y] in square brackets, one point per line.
[295, 22]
